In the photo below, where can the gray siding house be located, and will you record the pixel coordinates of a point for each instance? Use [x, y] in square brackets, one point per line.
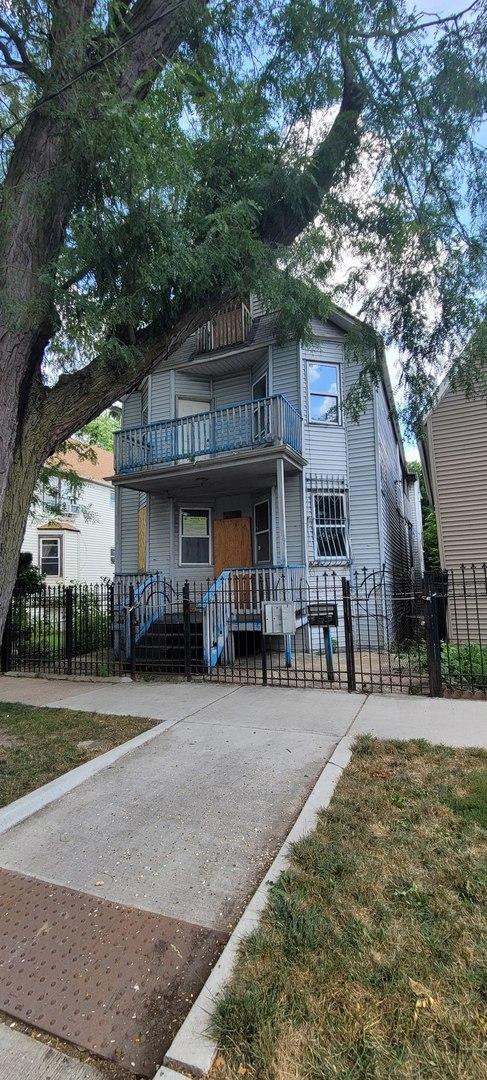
[237, 453]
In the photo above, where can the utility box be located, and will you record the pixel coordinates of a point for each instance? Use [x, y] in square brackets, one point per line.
[278, 617]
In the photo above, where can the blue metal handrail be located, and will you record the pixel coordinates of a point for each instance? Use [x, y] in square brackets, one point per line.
[245, 425]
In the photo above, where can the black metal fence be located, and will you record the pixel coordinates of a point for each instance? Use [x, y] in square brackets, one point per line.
[61, 630]
[368, 631]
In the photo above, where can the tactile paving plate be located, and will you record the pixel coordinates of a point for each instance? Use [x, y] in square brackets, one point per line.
[114, 980]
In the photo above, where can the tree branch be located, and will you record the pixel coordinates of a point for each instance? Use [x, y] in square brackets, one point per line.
[289, 215]
[25, 64]
[79, 397]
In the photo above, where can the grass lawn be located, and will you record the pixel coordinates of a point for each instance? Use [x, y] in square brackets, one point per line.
[370, 961]
[38, 744]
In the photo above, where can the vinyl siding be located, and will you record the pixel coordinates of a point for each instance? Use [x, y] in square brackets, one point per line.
[394, 544]
[129, 505]
[324, 445]
[293, 497]
[230, 389]
[159, 535]
[192, 386]
[131, 409]
[362, 477]
[162, 403]
[457, 436]
[285, 372]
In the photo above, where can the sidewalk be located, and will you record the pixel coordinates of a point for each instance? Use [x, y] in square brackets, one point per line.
[148, 863]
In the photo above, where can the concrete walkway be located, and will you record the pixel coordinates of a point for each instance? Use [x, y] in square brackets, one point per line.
[25, 1058]
[186, 824]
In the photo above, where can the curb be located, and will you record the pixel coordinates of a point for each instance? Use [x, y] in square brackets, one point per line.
[192, 1049]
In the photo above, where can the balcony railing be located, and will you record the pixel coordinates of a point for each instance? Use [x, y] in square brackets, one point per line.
[270, 421]
[229, 327]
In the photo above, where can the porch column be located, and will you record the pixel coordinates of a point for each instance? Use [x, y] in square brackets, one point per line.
[281, 538]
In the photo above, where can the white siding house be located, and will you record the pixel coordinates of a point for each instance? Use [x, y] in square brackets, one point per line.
[72, 537]
[242, 455]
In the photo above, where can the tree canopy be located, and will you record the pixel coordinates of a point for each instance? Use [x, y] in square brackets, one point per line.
[160, 157]
[304, 149]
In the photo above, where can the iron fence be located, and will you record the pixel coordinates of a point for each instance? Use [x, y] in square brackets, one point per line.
[61, 630]
[366, 631]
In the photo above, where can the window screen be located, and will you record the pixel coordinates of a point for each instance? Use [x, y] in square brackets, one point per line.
[195, 537]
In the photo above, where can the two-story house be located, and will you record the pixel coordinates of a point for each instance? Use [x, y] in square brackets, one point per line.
[238, 453]
[70, 530]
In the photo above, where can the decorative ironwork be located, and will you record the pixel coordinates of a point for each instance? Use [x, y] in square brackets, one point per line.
[367, 630]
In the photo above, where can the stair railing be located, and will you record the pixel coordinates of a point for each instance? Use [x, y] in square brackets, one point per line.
[216, 606]
[150, 599]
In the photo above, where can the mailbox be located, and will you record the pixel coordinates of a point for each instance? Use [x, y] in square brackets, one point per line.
[278, 617]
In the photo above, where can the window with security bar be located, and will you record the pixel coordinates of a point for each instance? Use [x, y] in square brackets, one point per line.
[330, 525]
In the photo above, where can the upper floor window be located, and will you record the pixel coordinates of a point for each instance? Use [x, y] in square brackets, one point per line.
[324, 392]
[60, 496]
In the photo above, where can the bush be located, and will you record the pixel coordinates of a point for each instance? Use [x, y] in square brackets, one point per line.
[464, 666]
[90, 622]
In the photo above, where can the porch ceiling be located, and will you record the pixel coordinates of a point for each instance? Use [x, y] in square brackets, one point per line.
[225, 361]
[223, 475]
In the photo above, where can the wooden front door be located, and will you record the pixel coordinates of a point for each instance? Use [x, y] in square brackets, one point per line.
[232, 543]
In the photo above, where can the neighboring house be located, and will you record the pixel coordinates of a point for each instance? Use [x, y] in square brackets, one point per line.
[237, 453]
[454, 459]
[71, 533]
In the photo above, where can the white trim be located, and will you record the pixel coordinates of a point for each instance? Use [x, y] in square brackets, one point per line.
[48, 534]
[189, 510]
[339, 396]
[265, 562]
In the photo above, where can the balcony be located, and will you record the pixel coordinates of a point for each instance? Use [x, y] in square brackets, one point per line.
[270, 422]
[230, 326]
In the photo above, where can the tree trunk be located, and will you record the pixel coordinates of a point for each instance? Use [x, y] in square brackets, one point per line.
[22, 478]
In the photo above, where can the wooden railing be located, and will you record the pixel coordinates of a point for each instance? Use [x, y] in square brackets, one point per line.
[229, 327]
[266, 422]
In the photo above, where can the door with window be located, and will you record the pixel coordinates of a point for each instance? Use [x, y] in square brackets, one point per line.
[194, 426]
[261, 425]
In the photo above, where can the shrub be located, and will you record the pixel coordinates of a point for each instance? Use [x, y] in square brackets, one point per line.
[464, 666]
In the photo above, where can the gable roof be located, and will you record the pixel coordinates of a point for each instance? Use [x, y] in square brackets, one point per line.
[96, 469]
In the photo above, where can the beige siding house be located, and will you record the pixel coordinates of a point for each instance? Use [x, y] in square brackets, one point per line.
[454, 457]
